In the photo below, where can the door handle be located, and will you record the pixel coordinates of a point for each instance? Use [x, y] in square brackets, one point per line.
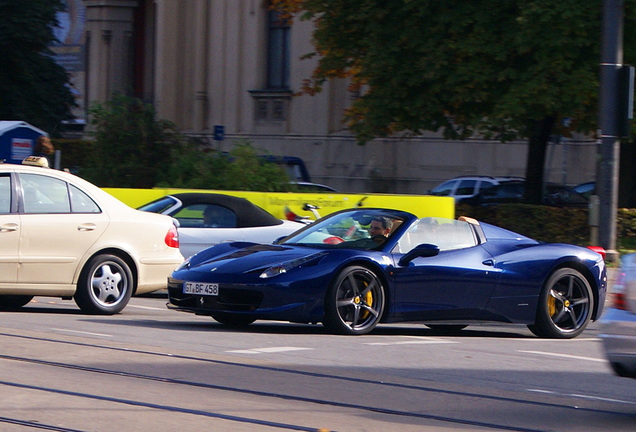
[9, 227]
[86, 227]
[489, 262]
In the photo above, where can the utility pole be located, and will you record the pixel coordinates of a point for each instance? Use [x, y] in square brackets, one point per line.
[610, 123]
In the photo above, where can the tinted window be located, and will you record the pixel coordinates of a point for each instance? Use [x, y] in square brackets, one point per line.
[485, 185]
[5, 194]
[466, 187]
[444, 189]
[206, 216]
[43, 194]
[82, 203]
[159, 206]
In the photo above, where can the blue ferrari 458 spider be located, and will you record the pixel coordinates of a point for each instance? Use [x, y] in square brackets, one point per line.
[357, 268]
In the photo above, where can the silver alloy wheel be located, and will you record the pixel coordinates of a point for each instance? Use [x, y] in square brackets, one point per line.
[355, 302]
[105, 285]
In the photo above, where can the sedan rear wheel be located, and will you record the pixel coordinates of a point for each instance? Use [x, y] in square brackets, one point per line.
[565, 305]
[105, 285]
[8, 302]
[354, 302]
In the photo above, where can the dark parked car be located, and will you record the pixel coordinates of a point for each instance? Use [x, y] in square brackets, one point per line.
[586, 189]
[515, 192]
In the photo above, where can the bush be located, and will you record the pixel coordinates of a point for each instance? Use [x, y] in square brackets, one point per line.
[133, 149]
[543, 223]
[551, 224]
[75, 152]
[241, 169]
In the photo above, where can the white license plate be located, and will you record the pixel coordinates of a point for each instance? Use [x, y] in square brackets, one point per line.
[201, 288]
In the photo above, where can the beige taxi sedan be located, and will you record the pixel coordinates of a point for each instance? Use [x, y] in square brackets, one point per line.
[62, 236]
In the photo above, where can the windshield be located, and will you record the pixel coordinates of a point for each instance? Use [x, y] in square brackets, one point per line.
[361, 229]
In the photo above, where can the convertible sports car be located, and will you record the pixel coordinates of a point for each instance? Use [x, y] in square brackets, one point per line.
[206, 219]
[442, 272]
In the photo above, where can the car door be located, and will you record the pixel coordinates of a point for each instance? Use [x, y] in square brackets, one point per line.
[9, 232]
[452, 285]
[456, 283]
[59, 224]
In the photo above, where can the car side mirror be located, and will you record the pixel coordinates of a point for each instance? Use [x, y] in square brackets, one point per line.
[422, 250]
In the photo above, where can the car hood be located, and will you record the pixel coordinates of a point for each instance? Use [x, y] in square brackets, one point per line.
[242, 257]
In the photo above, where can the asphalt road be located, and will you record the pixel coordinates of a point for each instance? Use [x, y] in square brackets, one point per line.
[151, 369]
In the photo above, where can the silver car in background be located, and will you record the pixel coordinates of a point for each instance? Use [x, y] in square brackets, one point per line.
[618, 325]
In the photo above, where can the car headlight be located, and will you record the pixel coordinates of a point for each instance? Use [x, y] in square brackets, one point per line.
[284, 267]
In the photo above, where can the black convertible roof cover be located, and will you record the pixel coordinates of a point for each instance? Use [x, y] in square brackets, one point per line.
[247, 214]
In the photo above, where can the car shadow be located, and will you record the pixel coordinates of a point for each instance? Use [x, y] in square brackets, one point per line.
[276, 327]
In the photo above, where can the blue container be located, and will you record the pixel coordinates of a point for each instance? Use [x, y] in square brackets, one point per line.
[17, 140]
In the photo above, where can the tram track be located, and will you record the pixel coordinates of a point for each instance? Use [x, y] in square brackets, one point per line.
[235, 389]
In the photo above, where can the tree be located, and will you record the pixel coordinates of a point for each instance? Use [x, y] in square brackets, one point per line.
[131, 148]
[33, 88]
[502, 69]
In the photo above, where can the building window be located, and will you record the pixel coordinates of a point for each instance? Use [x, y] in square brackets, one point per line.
[278, 51]
[271, 105]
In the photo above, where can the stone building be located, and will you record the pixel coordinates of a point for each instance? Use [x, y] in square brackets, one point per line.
[234, 64]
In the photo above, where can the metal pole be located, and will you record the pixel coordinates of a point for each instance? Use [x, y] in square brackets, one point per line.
[607, 178]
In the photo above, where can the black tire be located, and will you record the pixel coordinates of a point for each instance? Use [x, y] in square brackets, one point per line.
[234, 320]
[565, 305]
[447, 328]
[355, 302]
[12, 302]
[105, 285]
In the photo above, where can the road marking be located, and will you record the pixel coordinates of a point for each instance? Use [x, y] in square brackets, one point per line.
[550, 354]
[146, 307]
[81, 332]
[582, 396]
[415, 341]
[268, 350]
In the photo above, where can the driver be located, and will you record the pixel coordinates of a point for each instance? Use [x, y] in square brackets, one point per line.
[380, 226]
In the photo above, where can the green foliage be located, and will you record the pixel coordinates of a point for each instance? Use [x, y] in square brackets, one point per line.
[543, 223]
[75, 152]
[241, 169]
[626, 229]
[463, 66]
[33, 88]
[551, 224]
[131, 148]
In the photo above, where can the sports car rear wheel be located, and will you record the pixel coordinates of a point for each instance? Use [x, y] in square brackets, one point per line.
[565, 305]
[354, 302]
[234, 321]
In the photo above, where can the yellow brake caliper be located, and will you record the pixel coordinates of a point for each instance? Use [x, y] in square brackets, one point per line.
[551, 305]
[368, 299]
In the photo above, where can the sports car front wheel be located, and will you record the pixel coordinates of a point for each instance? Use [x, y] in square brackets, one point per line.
[354, 302]
[565, 305]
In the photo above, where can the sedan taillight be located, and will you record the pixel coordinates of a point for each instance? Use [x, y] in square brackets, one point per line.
[172, 237]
